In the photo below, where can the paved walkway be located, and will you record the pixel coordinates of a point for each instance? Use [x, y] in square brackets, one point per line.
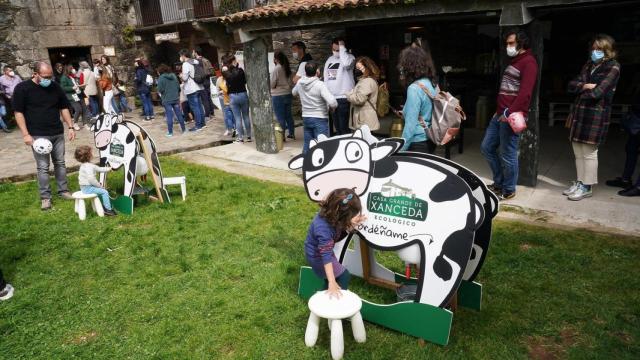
[606, 211]
[18, 164]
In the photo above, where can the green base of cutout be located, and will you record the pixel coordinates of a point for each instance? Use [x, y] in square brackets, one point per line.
[424, 321]
[123, 205]
[470, 295]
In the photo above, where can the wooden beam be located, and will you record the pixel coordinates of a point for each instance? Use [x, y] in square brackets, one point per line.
[366, 256]
[257, 72]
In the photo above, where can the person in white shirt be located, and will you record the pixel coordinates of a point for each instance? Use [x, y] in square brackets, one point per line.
[338, 76]
[191, 88]
[299, 53]
[87, 178]
[316, 100]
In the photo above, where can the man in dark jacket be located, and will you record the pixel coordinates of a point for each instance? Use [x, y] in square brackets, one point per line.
[516, 88]
[144, 90]
[205, 94]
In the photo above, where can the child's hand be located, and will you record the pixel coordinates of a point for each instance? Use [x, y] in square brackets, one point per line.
[334, 290]
[357, 220]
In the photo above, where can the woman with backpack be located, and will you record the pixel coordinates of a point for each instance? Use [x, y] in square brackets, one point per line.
[281, 97]
[143, 87]
[169, 90]
[364, 96]
[418, 75]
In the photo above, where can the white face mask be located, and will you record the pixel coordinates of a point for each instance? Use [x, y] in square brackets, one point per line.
[336, 53]
[512, 51]
[295, 56]
[11, 73]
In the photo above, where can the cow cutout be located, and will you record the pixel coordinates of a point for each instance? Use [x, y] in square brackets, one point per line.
[119, 146]
[414, 206]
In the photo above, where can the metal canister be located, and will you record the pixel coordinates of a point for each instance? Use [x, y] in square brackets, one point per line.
[396, 127]
[279, 136]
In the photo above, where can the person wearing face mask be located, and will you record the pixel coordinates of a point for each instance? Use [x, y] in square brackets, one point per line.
[516, 88]
[589, 122]
[8, 82]
[69, 84]
[299, 53]
[39, 104]
[364, 96]
[338, 76]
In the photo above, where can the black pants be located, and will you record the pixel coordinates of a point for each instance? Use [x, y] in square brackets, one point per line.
[340, 118]
[2, 282]
[205, 98]
[426, 147]
[632, 148]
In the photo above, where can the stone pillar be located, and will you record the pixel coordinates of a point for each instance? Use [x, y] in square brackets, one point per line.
[257, 72]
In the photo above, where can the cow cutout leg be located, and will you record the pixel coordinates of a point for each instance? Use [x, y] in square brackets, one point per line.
[130, 176]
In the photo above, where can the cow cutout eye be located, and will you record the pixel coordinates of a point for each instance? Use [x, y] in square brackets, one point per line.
[353, 152]
[317, 157]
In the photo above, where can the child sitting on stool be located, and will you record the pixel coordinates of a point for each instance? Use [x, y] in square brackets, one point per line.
[87, 178]
[339, 214]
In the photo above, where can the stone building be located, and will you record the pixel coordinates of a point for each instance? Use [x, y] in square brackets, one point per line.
[66, 31]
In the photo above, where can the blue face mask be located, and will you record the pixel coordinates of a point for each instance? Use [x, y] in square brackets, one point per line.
[45, 82]
[597, 55]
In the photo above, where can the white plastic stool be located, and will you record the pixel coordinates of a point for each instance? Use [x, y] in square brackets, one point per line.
[348, 306]
[178, 180]
[80, 208]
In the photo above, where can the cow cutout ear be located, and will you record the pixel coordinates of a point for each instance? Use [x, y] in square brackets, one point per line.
[382, 149]
[322, 137]
[313, 143]
[296, 162]
[357, 134]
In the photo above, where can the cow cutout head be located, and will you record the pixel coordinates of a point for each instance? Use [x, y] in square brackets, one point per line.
[340, 162]
[103, 129]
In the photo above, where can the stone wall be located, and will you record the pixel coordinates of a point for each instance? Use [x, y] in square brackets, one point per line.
[37, 25]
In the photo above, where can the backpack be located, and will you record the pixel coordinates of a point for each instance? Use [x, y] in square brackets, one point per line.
[382, 104]
[148, 80]
[199, 75]
[446, 116]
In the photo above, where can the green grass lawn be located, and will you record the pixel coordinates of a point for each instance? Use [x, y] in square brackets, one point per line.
[216, 277]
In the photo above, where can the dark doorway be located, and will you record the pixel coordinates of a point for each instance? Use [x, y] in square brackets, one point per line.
[70, 55]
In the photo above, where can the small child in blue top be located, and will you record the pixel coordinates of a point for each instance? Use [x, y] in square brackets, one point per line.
[339, 214]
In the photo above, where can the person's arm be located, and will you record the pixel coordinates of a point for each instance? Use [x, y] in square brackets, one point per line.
[63, 105]
[295, 90]
[606, 85]
[333, 288]
[325, 248]
[360, 94]
[347, 61]
[184, 75]
[527, 84]
[18, 103]
[22, 124]
[328, 97]
[273, 77]
[411, 113]
[575, 85]
[102, 169]
[67, 85]
[160, 85]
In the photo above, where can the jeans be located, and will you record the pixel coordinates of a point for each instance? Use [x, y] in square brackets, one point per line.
[169, 111]
[147, 105]
[123, 103]
[312, 128]
[205, 98]
[80, 109]
[196, 108]
[342, 280]
[227, 113]
[340, 117]
[240, 108]
[102, 193]
[505, 166]
[282, 108]
[114, 104]
[3, 112]
[632, 148]
[94, 105]
[59, 168]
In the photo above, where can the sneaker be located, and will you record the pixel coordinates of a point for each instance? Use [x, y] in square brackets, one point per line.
[76, 127]
[110, 212]
[152, 117]
[249, 139]
[235, 133]
[291, 136]
[574, 186]
[239, 140]
[495, 189]
[6, 293]
[6, 130]
[507, 195]
[147, 118]
[194, 129]
[45, 204]
[632, 191]
[168, 134]
[204, 126]
[619, 182]
[226, 133]
[581, 193]
[66, 195]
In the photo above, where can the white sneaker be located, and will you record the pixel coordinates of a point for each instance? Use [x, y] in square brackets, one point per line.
[581, 193]
[76, 127]
[572, 189]
[6, 293]
[226, 133]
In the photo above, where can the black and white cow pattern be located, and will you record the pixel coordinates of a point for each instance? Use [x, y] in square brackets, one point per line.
[444, 248]
[487, 199]
[110, 128]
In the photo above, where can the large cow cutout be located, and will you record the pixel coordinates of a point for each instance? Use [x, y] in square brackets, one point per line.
[420, 209]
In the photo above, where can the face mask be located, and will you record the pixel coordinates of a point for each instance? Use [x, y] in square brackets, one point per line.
[336, 53]
[11, 73]
[45, 82]
[597, 55]
[512, 51]
[295, 56]
[358, 73]
[73, 71]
